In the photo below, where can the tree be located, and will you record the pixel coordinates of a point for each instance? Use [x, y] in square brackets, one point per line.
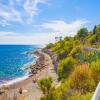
[82, 33]
[96, 32]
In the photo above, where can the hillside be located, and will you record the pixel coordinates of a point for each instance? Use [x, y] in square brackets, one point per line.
[69, 69]
[78, 68]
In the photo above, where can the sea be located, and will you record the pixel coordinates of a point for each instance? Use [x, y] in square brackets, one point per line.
[14, 60]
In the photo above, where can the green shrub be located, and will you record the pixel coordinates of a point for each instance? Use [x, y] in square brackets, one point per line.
[45, 85]
[61, 92]
[75, 51]
[92, 39]
[50, 45]
[82, 33]
[79, 96]
[95, 67]
[81, 79]
[52, 95]
[64, 92]
[62, 48]
[87, 57]
[65, 66]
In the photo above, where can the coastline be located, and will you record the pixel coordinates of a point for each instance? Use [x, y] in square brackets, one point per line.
[27, 68]
[43, 68]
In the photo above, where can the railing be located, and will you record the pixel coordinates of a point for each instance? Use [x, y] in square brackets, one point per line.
[96, 95]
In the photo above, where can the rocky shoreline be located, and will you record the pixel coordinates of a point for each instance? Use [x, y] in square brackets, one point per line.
[39, 64]
[41, 68]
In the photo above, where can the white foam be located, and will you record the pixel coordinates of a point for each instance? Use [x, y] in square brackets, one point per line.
[25, 52]
[27, 65]
[17, 80]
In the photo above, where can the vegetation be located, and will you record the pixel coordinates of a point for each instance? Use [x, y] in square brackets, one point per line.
[82, 33]
[78, 68]
[65, 66]
[81, 79]
[95, 67]
[45, 86]
[78, 65]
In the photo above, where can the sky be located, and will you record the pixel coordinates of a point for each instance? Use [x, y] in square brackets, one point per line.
[40, 21]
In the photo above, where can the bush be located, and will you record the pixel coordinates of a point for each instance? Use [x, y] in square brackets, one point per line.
[79, 96]
[81, 79]
[65, 66]
[82, 33]
[75, 51]
[62, 48]
[92, 39]
[95, 67]
[64, 92]
[47, 89]
[51, 96]
[50, 45]
[45, 85]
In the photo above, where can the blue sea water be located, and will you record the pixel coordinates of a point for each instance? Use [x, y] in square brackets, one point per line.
[12, 60]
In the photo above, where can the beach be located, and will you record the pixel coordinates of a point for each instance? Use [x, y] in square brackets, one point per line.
[42, 68]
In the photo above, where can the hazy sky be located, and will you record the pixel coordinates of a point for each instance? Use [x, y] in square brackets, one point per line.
[39, 21]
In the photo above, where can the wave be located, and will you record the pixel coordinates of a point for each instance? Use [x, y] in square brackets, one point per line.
[27, 74]
[16, 80]
[26, 68]
[25, 52]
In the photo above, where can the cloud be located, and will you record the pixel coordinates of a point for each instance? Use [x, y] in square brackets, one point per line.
[3, 34]
[15, 38]
[20, 11]
[57, 28]
[4, 23]
[9, 13]
[60, 26]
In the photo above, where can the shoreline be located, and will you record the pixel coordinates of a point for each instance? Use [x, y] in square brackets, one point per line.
[22, 78]
[42, 68]
[13, 81]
